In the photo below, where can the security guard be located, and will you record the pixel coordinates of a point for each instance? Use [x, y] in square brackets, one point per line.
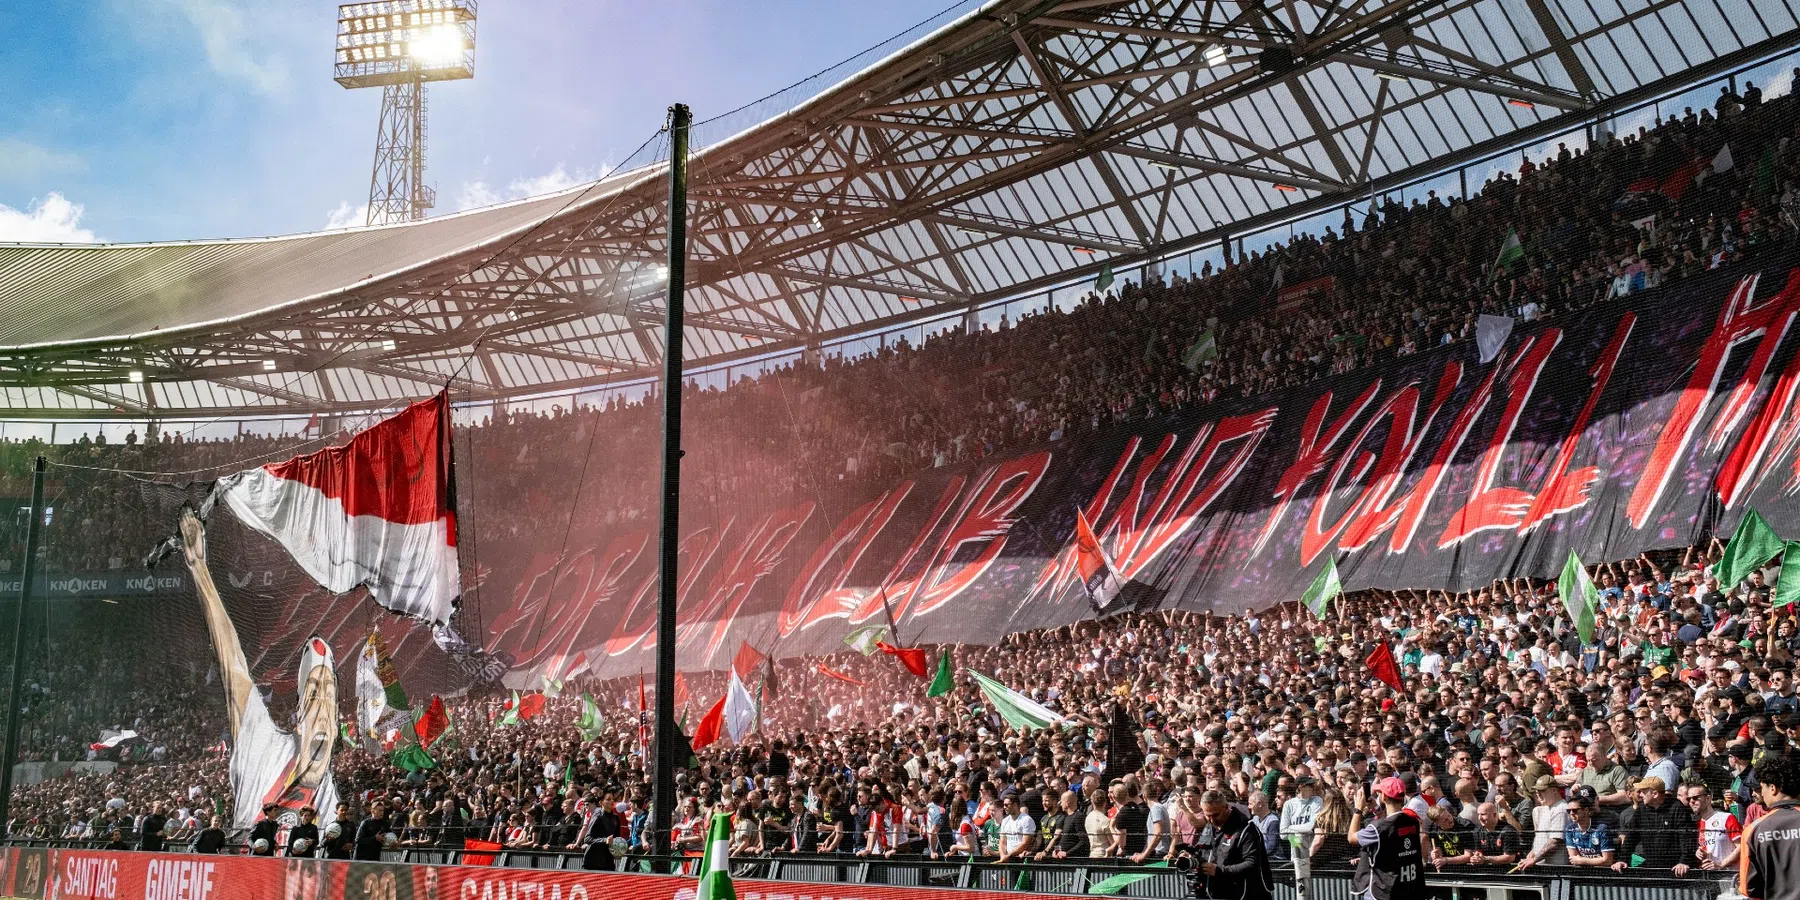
[1391, 865]
[1769, 861]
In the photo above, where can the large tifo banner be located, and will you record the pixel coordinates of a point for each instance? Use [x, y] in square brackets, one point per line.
[96, 875]
[1645, 422]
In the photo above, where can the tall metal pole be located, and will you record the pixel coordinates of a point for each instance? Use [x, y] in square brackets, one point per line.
[11, 753]
[664, 802]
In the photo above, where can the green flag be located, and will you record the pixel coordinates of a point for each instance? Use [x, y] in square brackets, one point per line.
[568, 778]
[1511, 251]
[1202, 352]
[1579, 596]
[715, 866]
[1119, 883]
[1323, 590]
[1763, 187]
[1017, 709]
[1787, 584]
[413, 758]
[945, 682]
[1104, 281]
[1751, 545]
[589, 724]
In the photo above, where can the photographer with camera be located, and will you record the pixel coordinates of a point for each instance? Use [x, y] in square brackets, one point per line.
[1228, 860]
[1391, 862]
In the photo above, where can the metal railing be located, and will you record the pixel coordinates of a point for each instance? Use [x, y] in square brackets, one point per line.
[1072, 878]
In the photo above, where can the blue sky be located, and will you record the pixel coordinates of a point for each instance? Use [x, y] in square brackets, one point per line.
[172, 119]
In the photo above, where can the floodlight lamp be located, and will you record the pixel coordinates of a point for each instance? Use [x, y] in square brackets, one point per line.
[1167, 167]
[137, 376]
[439, 45]
[1215, 55]
[389, 345]
[268, 365]
[1390, 76]
[662, 273]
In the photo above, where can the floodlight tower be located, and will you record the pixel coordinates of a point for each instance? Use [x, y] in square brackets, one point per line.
[399, 45]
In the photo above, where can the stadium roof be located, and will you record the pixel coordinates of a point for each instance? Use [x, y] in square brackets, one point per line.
[1017, 147]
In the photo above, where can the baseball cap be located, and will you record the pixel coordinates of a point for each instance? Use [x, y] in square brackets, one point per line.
[1391, 788]
[1650, 783]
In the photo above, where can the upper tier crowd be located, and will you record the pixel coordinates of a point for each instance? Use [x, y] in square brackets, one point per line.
[1407, 276]
[1514, 740]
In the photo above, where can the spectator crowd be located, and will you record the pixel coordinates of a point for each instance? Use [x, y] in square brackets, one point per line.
[1516, 743]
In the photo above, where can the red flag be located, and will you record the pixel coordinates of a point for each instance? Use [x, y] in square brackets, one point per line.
[911, 657]
[829, 672]
[681, 691]
[746, 662]
[1382, 666]
[530, 705]
[1677, 183]
[710, 726]
[482, 852]
[433, 723]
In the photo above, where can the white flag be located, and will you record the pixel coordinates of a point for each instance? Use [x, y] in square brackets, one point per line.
[1491, 333]
[1723, 161]
[740, 709]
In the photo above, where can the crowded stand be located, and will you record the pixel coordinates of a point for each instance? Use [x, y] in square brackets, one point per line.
[1516, 743]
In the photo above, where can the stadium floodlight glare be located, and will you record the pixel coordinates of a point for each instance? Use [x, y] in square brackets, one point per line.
[1391, 76]
[389, 345]
[404, 41]
[662, 273]
[137, 376]
[268, 365]
[1215, 54]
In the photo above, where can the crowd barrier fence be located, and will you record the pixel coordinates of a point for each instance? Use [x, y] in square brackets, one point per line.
[79, 870]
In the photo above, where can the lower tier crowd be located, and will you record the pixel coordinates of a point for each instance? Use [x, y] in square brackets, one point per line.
[1515, 742]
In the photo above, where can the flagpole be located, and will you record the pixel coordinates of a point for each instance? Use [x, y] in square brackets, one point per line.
[18, 655]
[663, 805]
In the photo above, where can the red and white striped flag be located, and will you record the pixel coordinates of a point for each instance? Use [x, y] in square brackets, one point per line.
[643, 722]
[379, 511]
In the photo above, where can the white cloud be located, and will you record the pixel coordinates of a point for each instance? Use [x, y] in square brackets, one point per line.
[52, 220]
[22, 161]
[478, 193]
[347, 216]
[230, 43]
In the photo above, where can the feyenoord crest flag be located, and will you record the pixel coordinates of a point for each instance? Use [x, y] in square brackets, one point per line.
[379, 511]
[1097, 572]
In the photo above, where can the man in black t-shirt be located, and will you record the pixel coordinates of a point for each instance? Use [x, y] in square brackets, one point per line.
[150, 831]
[369, 833]
[211, 839]
[1065, 830]
[1131, 822]
[1494, 843]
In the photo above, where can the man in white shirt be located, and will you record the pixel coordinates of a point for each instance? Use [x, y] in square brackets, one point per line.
[1297, 829]
[1018, 831]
